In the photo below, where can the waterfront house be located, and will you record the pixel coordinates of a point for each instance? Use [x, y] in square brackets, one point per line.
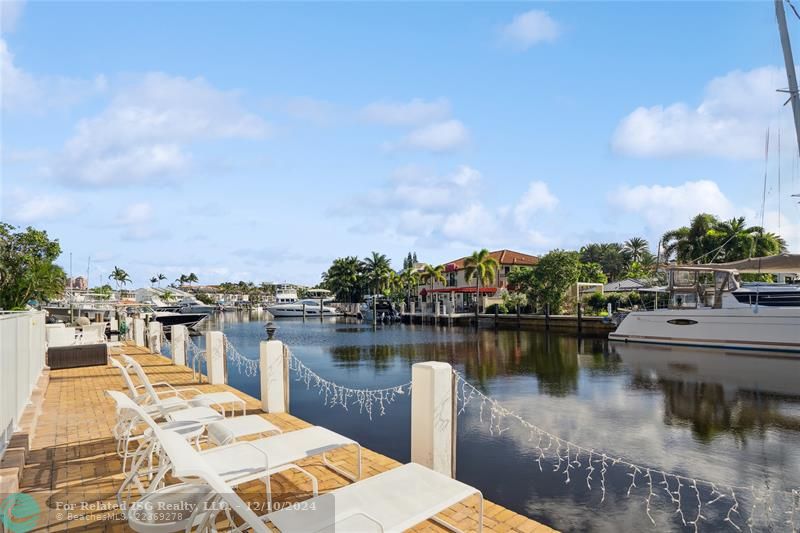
[459, 293]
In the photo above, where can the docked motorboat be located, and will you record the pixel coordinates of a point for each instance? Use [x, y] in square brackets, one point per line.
[379, 307]
[709, 307]
[288, 305]
[168, 318]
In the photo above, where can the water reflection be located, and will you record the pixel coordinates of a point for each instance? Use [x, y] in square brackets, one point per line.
[716, 392]
[723, 416]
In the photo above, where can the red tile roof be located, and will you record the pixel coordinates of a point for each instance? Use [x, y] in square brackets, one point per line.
[504, 257]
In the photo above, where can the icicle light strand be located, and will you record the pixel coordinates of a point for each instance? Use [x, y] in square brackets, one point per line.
[569, 458]
[245, 365]
[367, 401]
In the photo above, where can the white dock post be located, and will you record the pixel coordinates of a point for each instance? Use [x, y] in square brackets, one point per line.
[179, 335]
[271, 364]
[432, 420]
[154, 334]
[215, 357]
[129, 325]
[138, 331]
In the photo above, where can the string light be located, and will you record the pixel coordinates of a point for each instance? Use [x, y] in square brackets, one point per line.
[334, 394]
[550, 447]
[245, 365]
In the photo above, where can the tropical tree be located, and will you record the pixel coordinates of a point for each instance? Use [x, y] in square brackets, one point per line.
[636, 248]
[738, 241]
[153, 280]
[181, 280]
[376, 269]
[191, 278]
[409, 280]
[547, 283]
[120, 277]
[592, 273]
[611, 256]
[431, 274]
[690, 243]
[708, 239]
[345, 278]
[161, 277]
[483, 267]
[27, 268]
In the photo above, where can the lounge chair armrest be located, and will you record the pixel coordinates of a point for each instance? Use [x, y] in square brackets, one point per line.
[189, 389]
[262, 452]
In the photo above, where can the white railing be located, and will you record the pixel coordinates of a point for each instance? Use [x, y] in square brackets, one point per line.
[22, 357]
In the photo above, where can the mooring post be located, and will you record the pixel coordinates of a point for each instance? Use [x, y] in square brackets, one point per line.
[432, 416]
[580, 318]
[154, 334]
[519, 318]
[138, 331]
[546, 316]
[495, 315]
[304, 311]
[272, 366]
[215, 357]
[179, 334]
[321, 308]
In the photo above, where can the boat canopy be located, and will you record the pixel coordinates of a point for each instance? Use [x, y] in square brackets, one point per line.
[774, 264]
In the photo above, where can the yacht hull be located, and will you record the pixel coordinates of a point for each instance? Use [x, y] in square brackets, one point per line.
[770, 328]
[288, 311]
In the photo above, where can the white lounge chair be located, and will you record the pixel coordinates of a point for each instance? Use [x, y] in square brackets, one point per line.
[131, 415]
[389, 502]
[198, 399]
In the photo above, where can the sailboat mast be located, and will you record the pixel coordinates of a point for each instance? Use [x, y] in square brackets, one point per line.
[790, 71]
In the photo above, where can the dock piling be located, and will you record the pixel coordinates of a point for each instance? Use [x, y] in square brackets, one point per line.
[179, 335]
[432, 420]
[271, 364]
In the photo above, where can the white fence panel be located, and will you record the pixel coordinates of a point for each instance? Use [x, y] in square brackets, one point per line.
[22, 357]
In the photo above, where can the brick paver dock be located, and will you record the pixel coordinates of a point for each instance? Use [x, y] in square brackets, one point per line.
[73, 472]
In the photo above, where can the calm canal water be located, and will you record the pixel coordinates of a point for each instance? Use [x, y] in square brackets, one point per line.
[727, 417]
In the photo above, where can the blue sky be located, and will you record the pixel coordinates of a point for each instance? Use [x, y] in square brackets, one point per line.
[261, 140]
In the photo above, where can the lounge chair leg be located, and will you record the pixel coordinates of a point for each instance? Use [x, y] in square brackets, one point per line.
[269, 492]
[338, 470]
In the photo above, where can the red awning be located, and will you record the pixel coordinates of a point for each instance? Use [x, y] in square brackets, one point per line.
[484, 290]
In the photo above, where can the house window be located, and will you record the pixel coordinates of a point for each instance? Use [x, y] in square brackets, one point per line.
[451, 279]
[507, 270]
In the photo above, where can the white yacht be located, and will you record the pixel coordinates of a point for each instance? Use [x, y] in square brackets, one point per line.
[709, 307]
[288, 305]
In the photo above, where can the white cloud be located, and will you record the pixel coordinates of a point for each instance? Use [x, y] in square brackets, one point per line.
[537, 198]
[10, 12]
[145, 131]
[25, 207]
[530, 28]
[24, 92]
[430, 209]
[437, 137]
[138, 213]
[474, 224]
[665, 207]
[413, 112]
[731, 121]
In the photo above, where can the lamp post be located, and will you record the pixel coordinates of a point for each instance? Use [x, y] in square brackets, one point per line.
[270, 327]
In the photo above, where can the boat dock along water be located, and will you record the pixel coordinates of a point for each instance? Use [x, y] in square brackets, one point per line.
[708, 306]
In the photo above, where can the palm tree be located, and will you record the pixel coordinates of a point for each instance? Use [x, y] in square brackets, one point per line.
[161, 277]
[345, 278]
[191, 278]
[119, 276]
[376, 269]
[431, 274]
[636, 247]
[690, 243]
[181, 280]
[409, 278]
[483, 267]
[738, 241]
[153, 280]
